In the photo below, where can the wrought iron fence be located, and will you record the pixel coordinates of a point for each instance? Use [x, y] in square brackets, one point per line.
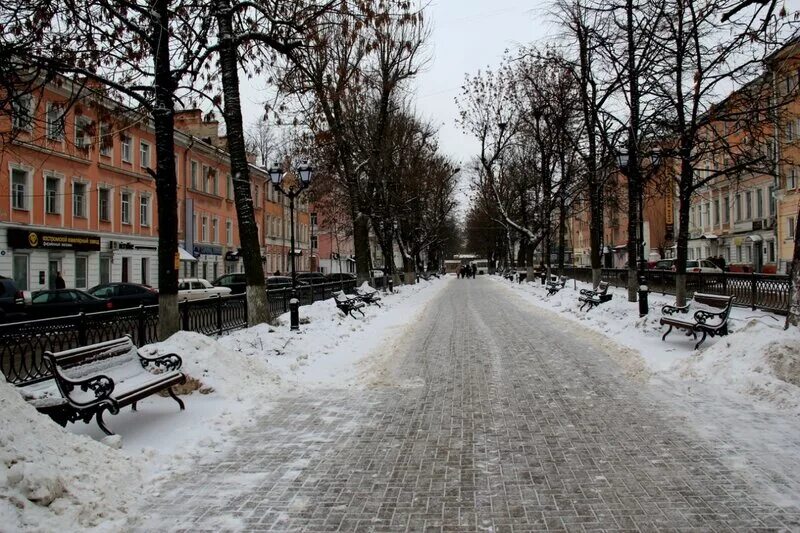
[23, 344]
[769, 292]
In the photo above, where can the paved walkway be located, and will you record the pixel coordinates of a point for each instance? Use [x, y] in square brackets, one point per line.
[500, 419]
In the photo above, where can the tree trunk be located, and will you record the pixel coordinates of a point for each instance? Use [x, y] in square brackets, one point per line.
[633, 174]
[793, 318]
[257, 306]
[166, 180]
[684, 203]
[562, 234]
[361, 247]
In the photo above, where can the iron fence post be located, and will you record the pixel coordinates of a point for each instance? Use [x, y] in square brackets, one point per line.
[753, 290]
[283, 295]
[141, 332]
[185, 314]
[219, 314]
[246, 321]
[82, 328]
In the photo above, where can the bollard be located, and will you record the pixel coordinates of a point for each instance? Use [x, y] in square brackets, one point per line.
[643, 291]
[294, 314]
[391, 285]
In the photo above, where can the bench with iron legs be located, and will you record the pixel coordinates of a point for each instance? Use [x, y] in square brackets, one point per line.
[555, 285]
[369, 296]
[594, 297]
[705, 321]
[349, 305]
[107, 376]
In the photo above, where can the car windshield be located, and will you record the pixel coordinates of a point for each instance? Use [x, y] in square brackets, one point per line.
[41, 298]
[691, 264]
[102, 292]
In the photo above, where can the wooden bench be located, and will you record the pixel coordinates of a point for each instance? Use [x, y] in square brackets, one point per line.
[107, 376]
[348, 305]
[594, 297]
[369, 296]
[709, 321]
[555, 285]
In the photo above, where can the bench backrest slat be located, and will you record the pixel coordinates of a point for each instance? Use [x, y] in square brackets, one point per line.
[67, 359]
[713, 300]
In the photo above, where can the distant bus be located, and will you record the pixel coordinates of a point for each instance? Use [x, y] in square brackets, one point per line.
[452, 266]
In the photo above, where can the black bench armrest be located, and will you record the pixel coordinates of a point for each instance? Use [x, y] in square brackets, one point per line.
[587, 292]
[170, 361]
[703, 315]
[675, 309]
[101, 385]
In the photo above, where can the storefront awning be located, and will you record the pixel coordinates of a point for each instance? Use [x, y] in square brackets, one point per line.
[709, 236]
[185, 256]
[754, 238]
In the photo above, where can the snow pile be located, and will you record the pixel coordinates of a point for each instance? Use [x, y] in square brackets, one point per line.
[51, 480]
[758, 358]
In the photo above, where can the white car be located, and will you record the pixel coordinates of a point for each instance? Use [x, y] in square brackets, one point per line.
[704, 266]
[197, 289]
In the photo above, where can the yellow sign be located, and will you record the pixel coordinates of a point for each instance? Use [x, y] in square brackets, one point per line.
[670, 207]
[177, 261]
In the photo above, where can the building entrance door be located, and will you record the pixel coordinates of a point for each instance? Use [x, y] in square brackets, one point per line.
[53, 268]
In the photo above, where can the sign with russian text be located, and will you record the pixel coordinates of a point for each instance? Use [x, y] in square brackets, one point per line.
[35, 239]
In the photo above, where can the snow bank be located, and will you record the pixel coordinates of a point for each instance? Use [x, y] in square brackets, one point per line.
[51, 480]
[758, 358]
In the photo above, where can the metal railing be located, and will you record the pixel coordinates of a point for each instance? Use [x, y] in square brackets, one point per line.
[23, 344]
[768, 292]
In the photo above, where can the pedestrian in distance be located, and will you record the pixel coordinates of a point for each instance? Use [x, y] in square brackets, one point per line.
[721, 262]
[474, 270]
[60, 283]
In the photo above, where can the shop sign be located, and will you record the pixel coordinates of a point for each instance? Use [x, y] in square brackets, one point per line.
[34, 239]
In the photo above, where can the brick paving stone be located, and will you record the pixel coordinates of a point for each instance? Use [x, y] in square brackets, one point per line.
[520, 426]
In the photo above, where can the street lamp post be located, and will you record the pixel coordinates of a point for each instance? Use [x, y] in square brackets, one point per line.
[291, 185]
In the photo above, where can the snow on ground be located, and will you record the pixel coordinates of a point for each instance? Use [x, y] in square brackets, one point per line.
[741, 392]
[65, 477]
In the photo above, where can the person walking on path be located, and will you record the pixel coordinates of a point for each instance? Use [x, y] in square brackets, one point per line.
[474, 270]
[60, 283]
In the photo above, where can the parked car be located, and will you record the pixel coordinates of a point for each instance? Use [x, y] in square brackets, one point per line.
[282, 282]
[12, 300]
[704, 266]
[664, 264]
[237, 283]
[311, 278]
[340, 276]
[64, 302]
[198, 289]
[124, 295]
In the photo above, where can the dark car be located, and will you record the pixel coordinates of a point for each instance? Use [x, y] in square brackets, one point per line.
[283, 282]
[311, 278]
[63, 302]
[124, 295]
[237, 283]
[12, 301]
[340, 276]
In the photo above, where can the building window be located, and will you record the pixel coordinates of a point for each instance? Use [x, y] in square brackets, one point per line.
[79, 200]
[726, 209]
[144, 210]
[19, 189]
[194, 175]
[105, 269]
[791, 178]
[106, 140]
[256, 194]
[126, 208]
[791, 228]
[144, 154]
[214, 185]
[204, 229]
[229, 232]
[81, 263]
[771, 251]
[206, 172]
[748, 205]
[313, 242]
[55, 122]
[229, 188]
[717, 220]
[790, 134]
[772, 205]
[23, 113]
[51, 186]
[82, 138]
[739, 253]
[145, 271]
[20, 271]
[126, 148]
[103, 196]
[215, 230]
[313, 219]
[738, 208]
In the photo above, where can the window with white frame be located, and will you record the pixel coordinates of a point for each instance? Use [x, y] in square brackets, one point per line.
[214, 186]
[791, 178]
[22, 108]
[771, 199]
[20, 185]
[738, 208]
[144, 154]
[55, 122]
[204, 229]
[105, 140]
[791, 227]
[103, 204]
[214, 230]
[20, 268]
[726, 210]
[759, 203]
[739, 253]
[229, 188]
[193, 174]
[790, 133]
[126, 143]
[81, 271]
[717, 219]
[144, 210]
[206, 172]
[748, 205]
[51, 195]
[229, 232]
[79, 200]
[125, 209]
[82, 137]
[145, 270]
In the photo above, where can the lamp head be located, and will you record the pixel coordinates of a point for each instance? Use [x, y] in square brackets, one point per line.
[304, 171]
[275, 174]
